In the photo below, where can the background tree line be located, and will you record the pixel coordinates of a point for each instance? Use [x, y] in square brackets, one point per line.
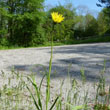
[27, 23]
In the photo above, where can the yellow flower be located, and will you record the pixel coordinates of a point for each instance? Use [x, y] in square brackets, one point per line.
[57, 18]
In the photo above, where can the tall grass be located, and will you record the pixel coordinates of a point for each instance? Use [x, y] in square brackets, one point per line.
[15, 95]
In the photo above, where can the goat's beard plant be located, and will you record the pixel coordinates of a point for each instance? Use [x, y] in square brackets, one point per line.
[57, 18]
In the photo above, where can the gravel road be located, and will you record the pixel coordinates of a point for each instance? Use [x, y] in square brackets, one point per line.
[90, 57]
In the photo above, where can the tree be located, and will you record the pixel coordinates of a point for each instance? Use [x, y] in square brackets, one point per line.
[82, 10]
[104, 21]
[106, 14]
[23, 18]
[85, 26]
[105, 2]
[90, 25]
[2, 22]
[102, 27]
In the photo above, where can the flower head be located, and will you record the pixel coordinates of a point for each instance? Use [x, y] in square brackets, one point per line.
[57, 18]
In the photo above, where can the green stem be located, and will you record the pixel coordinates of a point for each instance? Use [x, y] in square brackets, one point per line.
[48, 75]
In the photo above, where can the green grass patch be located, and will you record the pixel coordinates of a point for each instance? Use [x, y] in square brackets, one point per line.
[96, 39]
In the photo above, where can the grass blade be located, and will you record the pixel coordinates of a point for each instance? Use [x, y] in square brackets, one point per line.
[54, 103]
[41, 82]
[37, 92]
[33, 98]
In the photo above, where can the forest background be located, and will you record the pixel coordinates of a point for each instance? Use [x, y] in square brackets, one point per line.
[28, 23]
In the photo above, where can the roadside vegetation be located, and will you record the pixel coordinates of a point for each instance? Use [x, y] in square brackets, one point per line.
[23, 92]
[29, 24]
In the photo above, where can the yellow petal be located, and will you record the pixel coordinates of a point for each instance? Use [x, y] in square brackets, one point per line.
[57, 18]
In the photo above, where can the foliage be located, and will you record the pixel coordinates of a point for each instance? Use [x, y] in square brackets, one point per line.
[27, 23]
[85, 26]
[23, 18]
[105, 2]
[103, 21]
